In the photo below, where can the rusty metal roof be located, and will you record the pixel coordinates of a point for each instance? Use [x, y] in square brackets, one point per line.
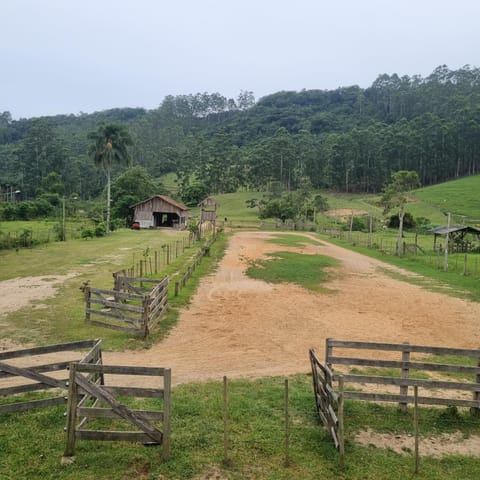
[443, 230]
[166, 199]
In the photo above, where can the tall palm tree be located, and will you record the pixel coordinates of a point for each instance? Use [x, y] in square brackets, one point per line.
[110, 142]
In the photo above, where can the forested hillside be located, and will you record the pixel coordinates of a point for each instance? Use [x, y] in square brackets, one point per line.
[349, 139]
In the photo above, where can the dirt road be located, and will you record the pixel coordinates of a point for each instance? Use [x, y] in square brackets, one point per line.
[240, 327]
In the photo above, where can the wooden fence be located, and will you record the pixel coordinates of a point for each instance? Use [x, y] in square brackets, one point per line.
[330, 395]
[31, 371]
[406, 367]
[91, 401]
[153, 260]
[130, 307]
[205, 250]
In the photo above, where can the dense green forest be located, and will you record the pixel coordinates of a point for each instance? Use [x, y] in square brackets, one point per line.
[347, 140]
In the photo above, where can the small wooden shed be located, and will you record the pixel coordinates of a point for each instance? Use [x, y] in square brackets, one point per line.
[209, 210]
[457, 236]
[161, 211]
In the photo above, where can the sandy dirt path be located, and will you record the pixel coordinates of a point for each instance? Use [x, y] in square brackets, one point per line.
[240, 327]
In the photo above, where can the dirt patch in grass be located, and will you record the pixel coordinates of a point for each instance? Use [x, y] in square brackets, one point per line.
[345, 213]
[436, 446]
[21, 292]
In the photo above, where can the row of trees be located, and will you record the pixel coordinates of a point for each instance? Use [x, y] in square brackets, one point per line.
[349, 139]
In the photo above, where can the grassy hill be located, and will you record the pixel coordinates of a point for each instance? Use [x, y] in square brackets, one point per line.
[459, 197]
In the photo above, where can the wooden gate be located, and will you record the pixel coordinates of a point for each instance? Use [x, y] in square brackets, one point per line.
[92, 403]
[328, 402]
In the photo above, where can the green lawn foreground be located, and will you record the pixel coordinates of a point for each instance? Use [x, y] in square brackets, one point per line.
[32, 443]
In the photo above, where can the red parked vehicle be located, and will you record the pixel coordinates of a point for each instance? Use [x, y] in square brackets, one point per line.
[135, 226]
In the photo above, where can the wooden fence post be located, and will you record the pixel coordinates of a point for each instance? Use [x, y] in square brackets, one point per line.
[476, 395]
[146, 315]
[416, 429]
[287, 427]
[341, 431]
[404, 374]
[167, 392]
[328, 351]
[88, 303]
[177, 288]
[71, 412]
[225, 421]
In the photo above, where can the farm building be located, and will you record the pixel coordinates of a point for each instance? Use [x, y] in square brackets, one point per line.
[209, 210]
[160, 211]
[457, 236]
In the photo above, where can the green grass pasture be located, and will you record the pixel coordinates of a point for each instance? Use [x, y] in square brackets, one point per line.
[308, 271]
[32, 443]
[61, 318]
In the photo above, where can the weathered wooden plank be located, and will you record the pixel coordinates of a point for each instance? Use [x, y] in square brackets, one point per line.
[130, 391]
[71, 411]
[38, 377]
[117, 314]
[131, 288]
[48, 367]
[116, 305]
[331, 393]
[105, 435]
[404, 347]
[159, 300]
[157, 310]
[122, 370]
[94, 354]
[167, 408]
[163, 284]
[115, 294]
[28, 352]
[83, 401]
[31, 387]
[155, 281]
[434, 367]
[384, 397]
[410, 382]
[323, 418]
[96, 412]
[23, 406]
[113, 327]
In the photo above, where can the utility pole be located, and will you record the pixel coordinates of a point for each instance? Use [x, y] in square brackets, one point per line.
[445, 265]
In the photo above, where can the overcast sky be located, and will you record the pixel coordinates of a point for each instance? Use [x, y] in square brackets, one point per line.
[72, 56]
